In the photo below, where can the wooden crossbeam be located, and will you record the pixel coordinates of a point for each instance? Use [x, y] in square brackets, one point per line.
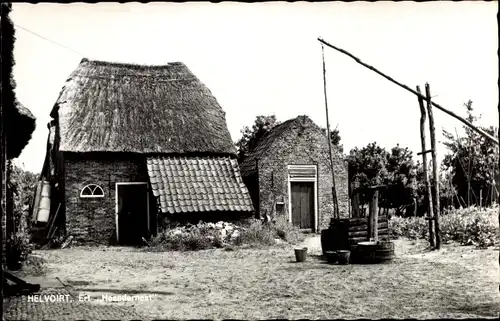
[425, 152]
[452, 114]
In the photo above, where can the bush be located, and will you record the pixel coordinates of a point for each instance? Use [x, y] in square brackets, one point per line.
[222, 234]
[287, 232]
[410, 227]
[258, 233]
[471, 226]
[21, 184]
[465, 225]
[201, 236]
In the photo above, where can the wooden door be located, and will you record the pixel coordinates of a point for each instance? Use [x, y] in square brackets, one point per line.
[132, 213]
[303, 204]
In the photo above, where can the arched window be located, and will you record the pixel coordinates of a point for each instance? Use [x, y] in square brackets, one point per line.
[92, 190]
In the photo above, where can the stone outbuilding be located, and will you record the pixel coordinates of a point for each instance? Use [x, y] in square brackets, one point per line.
[132, 146]
[289, 173]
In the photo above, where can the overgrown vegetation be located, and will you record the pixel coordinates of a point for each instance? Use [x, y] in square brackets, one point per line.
[473, 162]
[22, 185]
[250, 137]
[202, 236]
[468, 226]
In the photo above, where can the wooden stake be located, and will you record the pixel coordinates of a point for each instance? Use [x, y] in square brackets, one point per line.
[373, 215]
[426, 172]
[334, 190]
[355, 205]
[452, 114]
[435, 168]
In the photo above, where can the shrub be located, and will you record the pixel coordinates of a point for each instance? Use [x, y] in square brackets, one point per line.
[195, 237]
[21, 185]
[465, 225]
[258, 233]
[410, 227]
[222, 234]
[287, 232]
[471, 226]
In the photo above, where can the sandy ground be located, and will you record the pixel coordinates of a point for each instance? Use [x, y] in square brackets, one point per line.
[456, 282]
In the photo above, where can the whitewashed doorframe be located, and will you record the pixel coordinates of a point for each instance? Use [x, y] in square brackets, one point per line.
[307, 180]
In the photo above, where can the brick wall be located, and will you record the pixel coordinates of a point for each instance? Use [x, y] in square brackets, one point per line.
[302, 145]
[92, 220]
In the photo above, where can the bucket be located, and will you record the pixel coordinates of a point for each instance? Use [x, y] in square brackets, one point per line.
[331, 256]
[301, 254]
[46, 189]
[343, 256]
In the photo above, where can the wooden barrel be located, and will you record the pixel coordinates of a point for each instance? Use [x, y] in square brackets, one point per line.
[374, 252]
[327, 241]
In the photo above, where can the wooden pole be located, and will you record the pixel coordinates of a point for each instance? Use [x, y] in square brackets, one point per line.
[452, 114]
[435, 168]
[373, 214]
[415, 207]
[334, 190]
[355, 205]
[481, 198]
[426, 172]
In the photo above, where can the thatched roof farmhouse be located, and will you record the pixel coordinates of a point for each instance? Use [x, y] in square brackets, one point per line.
[131, 146]
[289, 173]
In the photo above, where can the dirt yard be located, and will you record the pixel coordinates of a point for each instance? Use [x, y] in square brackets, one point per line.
[457, 282]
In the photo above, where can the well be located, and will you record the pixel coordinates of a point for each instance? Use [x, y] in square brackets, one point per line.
[353, 234]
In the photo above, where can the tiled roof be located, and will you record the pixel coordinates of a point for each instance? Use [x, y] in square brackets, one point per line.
[198, 184]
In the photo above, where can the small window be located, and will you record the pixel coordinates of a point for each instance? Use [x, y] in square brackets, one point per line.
[92, 190]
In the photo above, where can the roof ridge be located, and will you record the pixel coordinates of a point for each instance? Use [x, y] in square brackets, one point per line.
[130, 65]
[135, 75]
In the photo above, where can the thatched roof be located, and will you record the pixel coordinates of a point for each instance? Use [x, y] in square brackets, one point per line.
[248, 167]
[114, 107]
[20, 127]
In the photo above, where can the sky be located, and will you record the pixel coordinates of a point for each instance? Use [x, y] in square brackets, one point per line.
[264, 58]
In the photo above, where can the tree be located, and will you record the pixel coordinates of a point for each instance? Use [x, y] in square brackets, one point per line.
[252, 136]
[472, 161]
[335, 138]
[367, 166]
[374, 165]
[401, 178]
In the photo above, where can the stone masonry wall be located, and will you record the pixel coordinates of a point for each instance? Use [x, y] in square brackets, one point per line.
[92, 220]
[302, 146]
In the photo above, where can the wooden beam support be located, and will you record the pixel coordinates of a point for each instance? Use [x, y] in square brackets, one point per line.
[334, 189]
[425, 152]
[426, 172]
[452, 114]
[373, 218]
[435, 169]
